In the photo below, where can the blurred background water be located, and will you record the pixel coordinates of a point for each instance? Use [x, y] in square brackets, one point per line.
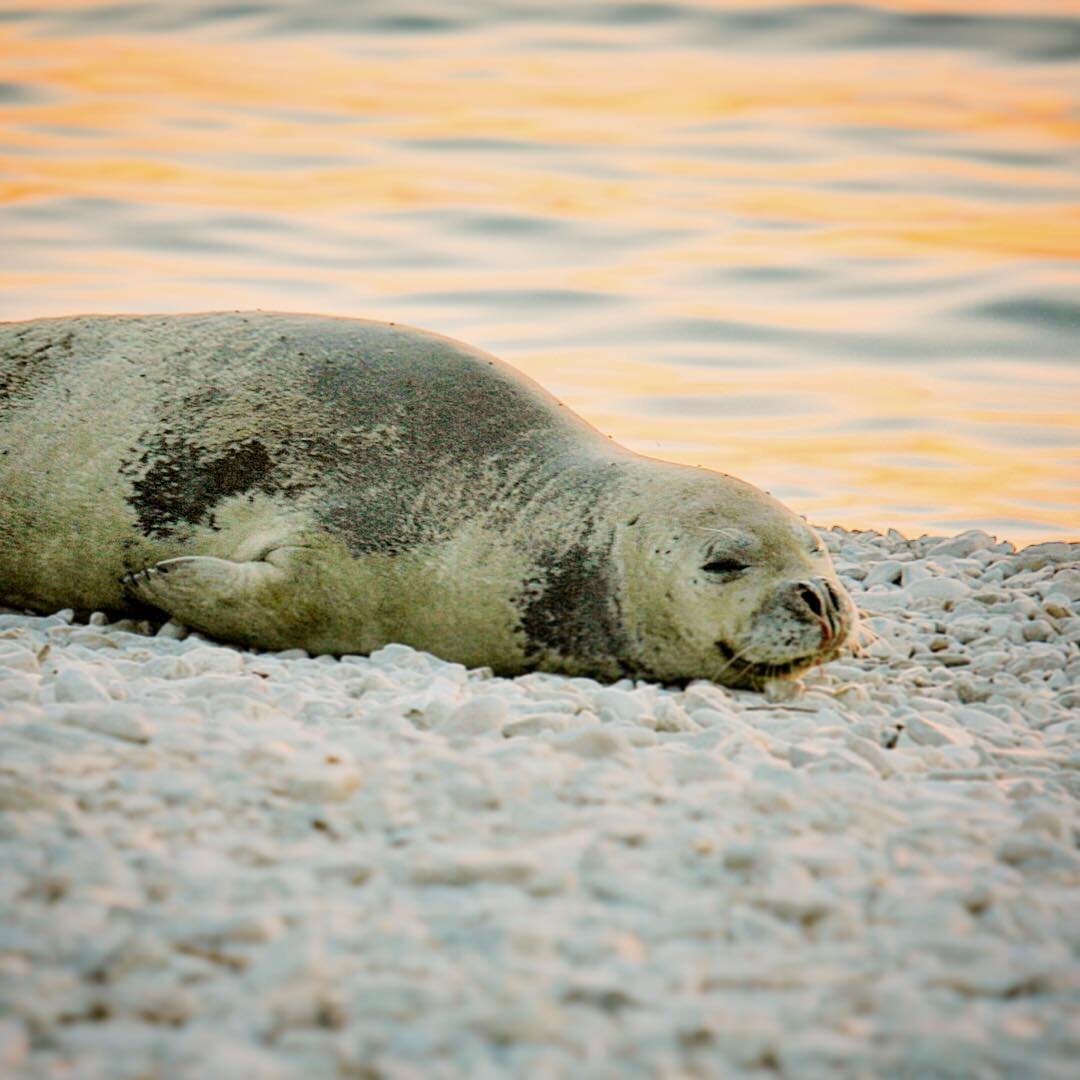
[832, 249]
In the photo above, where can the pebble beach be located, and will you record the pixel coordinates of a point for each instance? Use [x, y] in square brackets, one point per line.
[221, 863]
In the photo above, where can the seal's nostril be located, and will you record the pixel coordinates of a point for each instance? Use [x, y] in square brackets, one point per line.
[812, 599]
[833, 595]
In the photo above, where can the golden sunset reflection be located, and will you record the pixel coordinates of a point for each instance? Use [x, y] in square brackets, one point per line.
[840, 271]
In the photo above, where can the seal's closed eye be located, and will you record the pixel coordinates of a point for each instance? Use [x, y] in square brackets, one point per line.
[725, 566]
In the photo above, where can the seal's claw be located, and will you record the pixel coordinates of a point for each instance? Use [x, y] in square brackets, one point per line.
[218, 596]
[142, 584]
[135, 578]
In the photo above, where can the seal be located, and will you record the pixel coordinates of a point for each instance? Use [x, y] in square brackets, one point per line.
[279, 480]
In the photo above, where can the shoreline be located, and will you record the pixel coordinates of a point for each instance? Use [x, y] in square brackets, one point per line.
[281, 865]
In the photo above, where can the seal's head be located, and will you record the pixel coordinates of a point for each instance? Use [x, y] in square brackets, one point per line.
[733, 587]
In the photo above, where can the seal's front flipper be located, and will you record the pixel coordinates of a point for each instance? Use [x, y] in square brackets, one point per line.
[238, 601]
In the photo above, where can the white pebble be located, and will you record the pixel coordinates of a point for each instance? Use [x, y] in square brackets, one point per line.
[75, 684]
[476, 716]
[1055, 608]
[939, 589]
[321, 782]
[119, 720]
[534, 723]
[1037, 630]
[14, 1044]
[929, 732]
[19, 687]
[460, 866]
[887, 572]
[206, 659]
[15, 657]
[963, 545]
[967, 630]
[612, 704]
[914, 571]
[597, 742]
[988, 663]
[880, 649]
[168, 667]
[668, 715]
[883, 599]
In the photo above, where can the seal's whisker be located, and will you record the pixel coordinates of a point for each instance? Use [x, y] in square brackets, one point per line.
[861, 637]
[735, 658]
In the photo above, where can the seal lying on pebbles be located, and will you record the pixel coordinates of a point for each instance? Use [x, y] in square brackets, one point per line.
[336, 484]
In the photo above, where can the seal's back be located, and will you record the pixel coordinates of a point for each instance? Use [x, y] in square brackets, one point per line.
[123, 437]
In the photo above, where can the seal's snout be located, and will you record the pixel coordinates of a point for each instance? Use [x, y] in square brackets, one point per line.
[817, 600]
[805, 621]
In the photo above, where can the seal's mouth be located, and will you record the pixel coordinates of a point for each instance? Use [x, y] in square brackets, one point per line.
[745, 674]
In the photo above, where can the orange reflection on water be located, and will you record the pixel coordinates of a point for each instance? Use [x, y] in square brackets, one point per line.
[739, 161]
[914, 436]
[192, 110]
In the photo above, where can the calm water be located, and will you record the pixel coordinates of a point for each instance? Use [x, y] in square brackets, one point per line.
[830, 248]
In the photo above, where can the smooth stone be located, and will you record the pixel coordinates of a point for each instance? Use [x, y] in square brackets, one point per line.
[16, 658]
[477, 716]
[938, 588]
[593, 743]
[1038, 630]
[914, 571]
[927, 732]
[73, 684]
[535, 723]
[963, 545]
[884, 573]
[966, 630]
[168, 667]
[119, 720]
[14, 1044]
[875, 602]
[19, 687]
[615, 704]
[322, 783]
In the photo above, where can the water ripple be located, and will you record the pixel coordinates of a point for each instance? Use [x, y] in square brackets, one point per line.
[832, 248]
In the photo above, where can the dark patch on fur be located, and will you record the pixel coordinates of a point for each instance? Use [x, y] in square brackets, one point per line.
[181, 482]
[386, 522]
[409, 410]
[570, 609]
[24, 370]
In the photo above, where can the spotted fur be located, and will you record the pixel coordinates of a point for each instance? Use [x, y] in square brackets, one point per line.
[338, 483]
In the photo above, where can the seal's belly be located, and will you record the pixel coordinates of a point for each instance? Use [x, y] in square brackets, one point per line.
[66, 529]
[66, 538]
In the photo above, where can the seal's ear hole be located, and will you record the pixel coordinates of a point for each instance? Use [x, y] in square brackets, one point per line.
[725, 566]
